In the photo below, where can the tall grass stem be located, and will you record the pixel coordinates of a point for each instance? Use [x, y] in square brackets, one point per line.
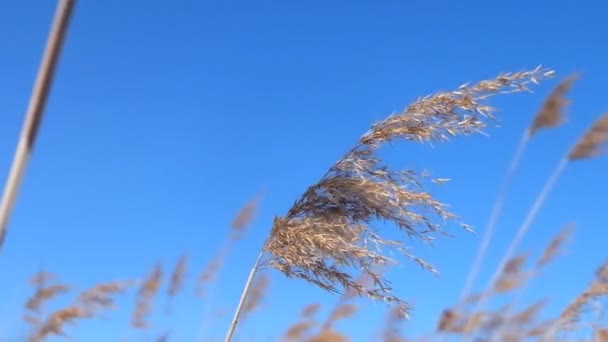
[35, 111]
[239, 308]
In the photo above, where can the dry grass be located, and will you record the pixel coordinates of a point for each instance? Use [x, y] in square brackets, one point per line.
[597, 288]
[590, 145]
[177, 276]
[147, 292]
[88, 304]
[551, 114]
[328, 236]
[328, 232]
[44, 291]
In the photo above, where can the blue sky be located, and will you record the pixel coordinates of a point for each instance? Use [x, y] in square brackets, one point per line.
[165, 117]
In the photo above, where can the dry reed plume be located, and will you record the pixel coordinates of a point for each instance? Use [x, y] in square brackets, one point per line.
[329, 228]
[555, 246]
[177, 276]
[44, 291]
[551, 114]
[590, 145]
[88, 304]
[147, 292]
[176, 280]
[572, 313]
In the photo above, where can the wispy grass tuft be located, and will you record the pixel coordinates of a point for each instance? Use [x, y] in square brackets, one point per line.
[147, 292]
[328, 231]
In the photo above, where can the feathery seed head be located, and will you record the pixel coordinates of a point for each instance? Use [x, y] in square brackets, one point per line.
[328, 231]
[551, 113]
[590, 144]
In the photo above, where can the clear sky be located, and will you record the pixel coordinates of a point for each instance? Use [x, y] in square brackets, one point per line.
[167, 116]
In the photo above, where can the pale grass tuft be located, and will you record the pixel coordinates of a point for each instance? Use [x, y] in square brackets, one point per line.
[328, 230]
[245, 216]
[44, 290]
[45, 294]
[56, 322]
[551, 113]
[598, 288]
[89, 304]
[147, 292]
[177, 276]
[512, 277]
[590, 144]
[101, 296]
[555, 246]
[210, 272]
